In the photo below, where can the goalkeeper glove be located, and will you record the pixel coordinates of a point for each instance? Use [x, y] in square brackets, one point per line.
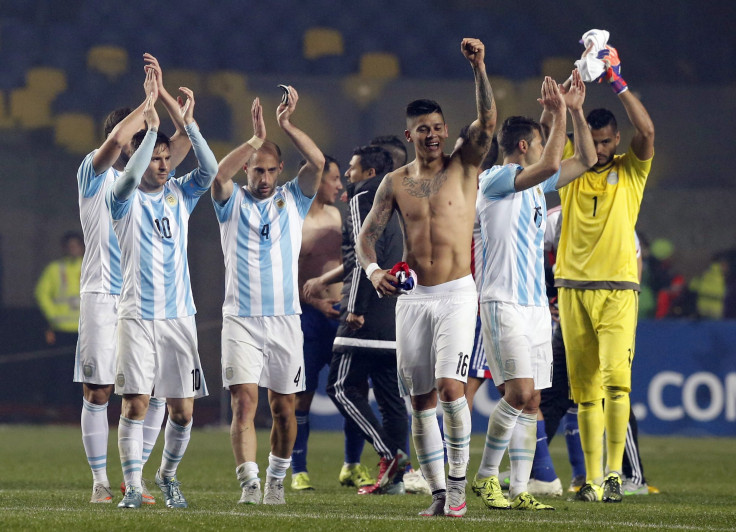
[612, 75]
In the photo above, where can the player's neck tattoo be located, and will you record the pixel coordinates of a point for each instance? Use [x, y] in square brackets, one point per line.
[424, 187]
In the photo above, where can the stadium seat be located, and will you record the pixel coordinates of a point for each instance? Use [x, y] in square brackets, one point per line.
[379, 65]
[5, 120]
[30, 109]
[46, 80]
[175, 78]
[112, 61]
[75, 132]
[229, 85]
[319, 42]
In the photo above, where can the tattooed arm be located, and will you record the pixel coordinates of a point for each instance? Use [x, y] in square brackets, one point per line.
[480, 133]
[372, 229]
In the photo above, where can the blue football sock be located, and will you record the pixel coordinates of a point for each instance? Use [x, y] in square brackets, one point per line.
[354, 441]
[299, 454]
[572, 438]
[542, 467]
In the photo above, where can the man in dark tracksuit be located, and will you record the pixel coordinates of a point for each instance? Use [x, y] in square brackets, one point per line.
[365, 345]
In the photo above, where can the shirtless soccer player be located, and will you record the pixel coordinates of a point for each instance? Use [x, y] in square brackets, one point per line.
[435, 197]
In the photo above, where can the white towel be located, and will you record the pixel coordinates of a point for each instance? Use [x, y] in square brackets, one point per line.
[591, 68]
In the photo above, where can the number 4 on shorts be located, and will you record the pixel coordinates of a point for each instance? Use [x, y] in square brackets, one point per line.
[298, 376]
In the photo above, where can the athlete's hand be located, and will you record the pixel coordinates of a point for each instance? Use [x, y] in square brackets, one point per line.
[325, 306]
[285, 110]
[259, 125]
[573, 93]
[382, 280]
[149, 111]
[551, 98]
[355, 321]
[474, 51]
[186, 108]
[150, 84]
[313, 287]
[152, 63]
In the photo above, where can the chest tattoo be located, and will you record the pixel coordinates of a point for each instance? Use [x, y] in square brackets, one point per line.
[423, 188]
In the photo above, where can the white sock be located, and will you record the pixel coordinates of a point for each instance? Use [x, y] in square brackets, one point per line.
[277, 466]
[500, 426]
[95, 430]
[152, 425]
[130, 446]
[246, 472]
[176, 439]
[456, 422]
[521, 452]
[425, 431]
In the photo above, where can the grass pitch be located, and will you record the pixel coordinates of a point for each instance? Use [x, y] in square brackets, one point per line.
[45, 484]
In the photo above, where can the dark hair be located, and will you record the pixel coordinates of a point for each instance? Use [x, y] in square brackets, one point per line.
[423, 107]
[161, 138]
[71, 235]
[114, 118]
[600, 118]
[375, 157]
[394, 146]
[516, 129]
[328, 161]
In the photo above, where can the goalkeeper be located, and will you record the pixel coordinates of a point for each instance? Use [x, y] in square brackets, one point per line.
[598, 282]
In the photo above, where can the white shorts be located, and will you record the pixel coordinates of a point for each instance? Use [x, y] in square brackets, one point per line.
[94, 362]
[159, 358]
[263, 350]
[435, 326]
[518, 342]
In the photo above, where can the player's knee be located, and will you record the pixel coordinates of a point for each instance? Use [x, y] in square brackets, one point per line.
[614, 393]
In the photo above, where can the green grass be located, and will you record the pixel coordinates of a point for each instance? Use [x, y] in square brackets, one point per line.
[45, 485]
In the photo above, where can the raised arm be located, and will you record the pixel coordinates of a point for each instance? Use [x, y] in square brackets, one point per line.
[549, 162]
[222, 187]
[585, 156]
[480, 132]
[179, 143]
[373, 226]
[205, 173]
[311, 173]
[129, 180]
[106, 156]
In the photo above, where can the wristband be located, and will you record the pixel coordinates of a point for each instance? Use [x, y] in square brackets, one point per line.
[255, 142]
[370, 270]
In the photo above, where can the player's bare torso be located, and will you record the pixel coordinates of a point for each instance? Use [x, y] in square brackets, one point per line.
[437, 208]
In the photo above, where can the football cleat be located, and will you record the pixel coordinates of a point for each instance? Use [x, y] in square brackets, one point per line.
[541, 488]
[169, 486]
[489, 490]
[131, 499]
[415, 482]
[101, 494]
[355, 475]
[251, 493]
[589, 492]
[274, 491]
[436, 508]
[612, 488]
[526, 501]
[395, 488]
[455, 503]
[576, 483]
[301, 482]
[147, 498]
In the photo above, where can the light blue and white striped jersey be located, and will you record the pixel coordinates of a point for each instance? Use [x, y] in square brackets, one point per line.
[512, 225]
[101, 264]
[153, 233]
[261, 242]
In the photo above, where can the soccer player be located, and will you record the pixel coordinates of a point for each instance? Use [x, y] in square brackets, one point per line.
[101, 280]
[514, 308]
[157, 334]
[261, 235]
[598, 286]
[435, 197]
[320, 254]
[365, 345]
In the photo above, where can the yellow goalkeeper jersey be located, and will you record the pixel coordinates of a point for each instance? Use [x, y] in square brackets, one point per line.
[599, 211]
